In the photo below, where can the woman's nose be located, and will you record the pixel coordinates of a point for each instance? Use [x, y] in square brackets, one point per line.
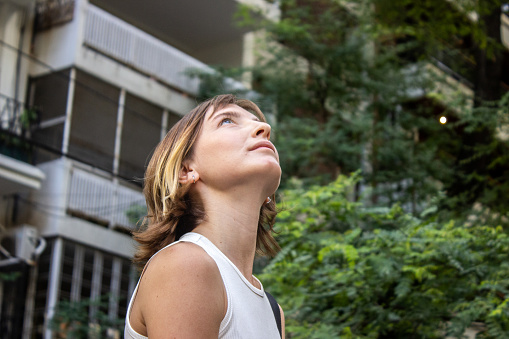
[262, 129]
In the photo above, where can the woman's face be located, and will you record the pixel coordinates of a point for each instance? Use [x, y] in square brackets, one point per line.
[233, 148]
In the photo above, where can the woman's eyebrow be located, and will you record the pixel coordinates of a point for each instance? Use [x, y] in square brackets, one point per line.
[229, 114]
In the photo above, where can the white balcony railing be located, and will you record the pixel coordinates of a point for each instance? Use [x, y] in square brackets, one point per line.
[132, 46]
[101, 199]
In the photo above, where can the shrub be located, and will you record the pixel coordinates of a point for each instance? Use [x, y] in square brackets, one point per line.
[350, 271]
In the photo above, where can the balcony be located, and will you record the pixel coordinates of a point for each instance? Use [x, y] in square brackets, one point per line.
[85, 204]
[17, 176]
[92, 194]
[118, 53]
[103, 200]
[131, 46]
[141, 60]
[16, 172]
[87, 192]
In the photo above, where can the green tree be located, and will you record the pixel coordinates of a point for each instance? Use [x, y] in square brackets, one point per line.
[351, 271]
[86, 319]
[352, 89]
[344, 92]
[465, 36]
[9, 276]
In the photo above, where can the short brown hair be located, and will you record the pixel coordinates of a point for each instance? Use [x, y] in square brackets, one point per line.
[171, 210]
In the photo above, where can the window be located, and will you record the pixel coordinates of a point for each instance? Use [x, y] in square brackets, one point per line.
[94, 121]
[48, 95]
[140, 135]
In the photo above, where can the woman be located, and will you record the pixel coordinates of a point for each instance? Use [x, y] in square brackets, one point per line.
[209, 189]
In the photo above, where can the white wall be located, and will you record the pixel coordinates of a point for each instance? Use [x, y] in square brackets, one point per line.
[15, 24]
[57, 46]
[48, 214]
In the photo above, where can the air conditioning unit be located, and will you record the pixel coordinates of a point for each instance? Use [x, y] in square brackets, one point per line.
[23, 242]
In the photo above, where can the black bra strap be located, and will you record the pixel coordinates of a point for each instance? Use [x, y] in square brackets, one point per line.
[275, 310]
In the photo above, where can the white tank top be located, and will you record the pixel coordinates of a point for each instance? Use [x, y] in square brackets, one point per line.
[249, 314]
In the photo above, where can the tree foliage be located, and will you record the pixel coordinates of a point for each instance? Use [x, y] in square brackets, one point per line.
[481, 166]
[465, 36]
[86, 319]
[350, 271]
[12, 276]
[355, 86]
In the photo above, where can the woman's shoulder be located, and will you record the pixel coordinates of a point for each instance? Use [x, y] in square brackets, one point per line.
[183, 258]
[181, 277]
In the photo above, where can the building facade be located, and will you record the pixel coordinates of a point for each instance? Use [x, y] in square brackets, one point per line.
[87, 90]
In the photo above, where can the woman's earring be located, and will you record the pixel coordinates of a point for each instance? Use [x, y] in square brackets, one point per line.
[268, 200]
[194, 181]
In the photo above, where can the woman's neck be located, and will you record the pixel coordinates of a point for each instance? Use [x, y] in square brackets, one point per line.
[231, 223]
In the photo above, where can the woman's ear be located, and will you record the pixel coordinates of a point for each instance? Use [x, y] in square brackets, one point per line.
[188, 175]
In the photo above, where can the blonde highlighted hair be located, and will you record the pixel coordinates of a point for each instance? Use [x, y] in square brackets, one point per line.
[171, 210]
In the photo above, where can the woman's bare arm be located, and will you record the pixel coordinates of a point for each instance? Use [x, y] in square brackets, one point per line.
[181, 294]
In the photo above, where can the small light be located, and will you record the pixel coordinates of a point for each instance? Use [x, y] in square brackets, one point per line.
[443, 120]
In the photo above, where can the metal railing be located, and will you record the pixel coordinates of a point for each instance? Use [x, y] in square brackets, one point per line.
[127, 44]
[17, 121]
[12, 113]
[102, 199]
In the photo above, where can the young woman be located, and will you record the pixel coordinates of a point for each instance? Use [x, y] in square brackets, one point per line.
[209, 189]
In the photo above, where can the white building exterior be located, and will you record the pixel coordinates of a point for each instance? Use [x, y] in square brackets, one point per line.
[87, 90]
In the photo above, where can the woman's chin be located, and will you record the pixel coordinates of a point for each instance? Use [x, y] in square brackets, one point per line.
[273, 179]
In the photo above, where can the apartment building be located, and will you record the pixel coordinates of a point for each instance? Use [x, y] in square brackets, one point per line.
[87, 90]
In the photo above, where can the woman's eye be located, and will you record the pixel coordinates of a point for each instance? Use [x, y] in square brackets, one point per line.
[226, 121]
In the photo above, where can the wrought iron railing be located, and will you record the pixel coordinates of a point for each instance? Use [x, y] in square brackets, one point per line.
[17, 121]
[15, 116]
